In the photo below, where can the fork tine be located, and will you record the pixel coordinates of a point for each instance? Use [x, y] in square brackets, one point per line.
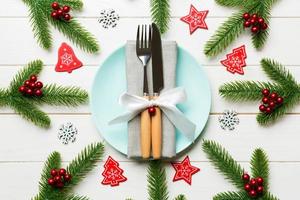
[146, 39]
[150, 36]
[142, 38]
[138, 38]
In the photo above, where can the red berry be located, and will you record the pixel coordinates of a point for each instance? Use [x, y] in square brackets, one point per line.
[264, 26]
[53, 172]
[31, 85]
[51, 181]
[272, 104]
[247, 187]
[66, 9]
[265, 92]
[62, 172]
[254, 16]
[60, 12]
[269, 110]
[29, 91]
[253, 182]
[254, 29]
[27, 83]
[260, 189]
[54, 14]
[33, 78]
[59, 185]
[55, 5]
[253, 193]
[274, 95]
[57, 179]
[22, 89]
[265, 100]
[39, 85]
[252, 21]
[279, 100]
[261, 20]
[152, 110]
[247, 24]
[262, 108]
[67, 177]
[260, 181]
[246, 16]
[38, 93]
[246, 177]
[67, 17]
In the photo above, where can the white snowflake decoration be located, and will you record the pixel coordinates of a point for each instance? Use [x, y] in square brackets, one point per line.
[67, 59]
[229, 120]
[108, 18]
[67, 133]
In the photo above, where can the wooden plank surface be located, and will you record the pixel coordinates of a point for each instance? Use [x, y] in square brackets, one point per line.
[23, 147]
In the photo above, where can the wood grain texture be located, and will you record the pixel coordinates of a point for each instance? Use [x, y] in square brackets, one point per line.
[24, 148]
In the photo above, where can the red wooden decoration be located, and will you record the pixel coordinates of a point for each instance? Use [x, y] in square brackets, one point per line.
[113, 174]
[235, 61]
[67, 60]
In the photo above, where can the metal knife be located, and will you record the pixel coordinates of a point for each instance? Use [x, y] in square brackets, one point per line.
[158, 85]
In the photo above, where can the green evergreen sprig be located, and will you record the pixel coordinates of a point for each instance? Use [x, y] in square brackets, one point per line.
[233, 171]
[52, 95]
[233, 27]
[78, 168]
[283, 83]
[161, 13]
[40, 17]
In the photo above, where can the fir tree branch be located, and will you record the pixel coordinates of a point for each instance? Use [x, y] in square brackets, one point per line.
[224, 162]
[232, 196]
[278, 74]
[67, 96]
[45, 191]
[30, 112]
[34, 67]
[160, 12]
[235, 3]
[75, 197]
[157, 184]
[260, 166]
[84, 163]
[269, 196]
[39, 23]
[225, 35]
[74, 4]
[180, 197]
[4, 97]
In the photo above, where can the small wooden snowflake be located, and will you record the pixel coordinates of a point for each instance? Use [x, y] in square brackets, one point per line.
[67, 133]
[229, 120]
[109, 18]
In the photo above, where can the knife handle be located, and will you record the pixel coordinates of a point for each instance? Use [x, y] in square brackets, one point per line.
[145, 133]
[156, 129]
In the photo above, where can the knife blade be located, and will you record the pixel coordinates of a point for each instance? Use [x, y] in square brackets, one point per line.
[158, 85]
[157, 61]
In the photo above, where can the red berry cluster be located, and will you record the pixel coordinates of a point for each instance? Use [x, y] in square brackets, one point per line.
[257, 23]
[32, 87]
[152, 110]
[59, 178]
[60, 12]
[270, 101]
[254, 186]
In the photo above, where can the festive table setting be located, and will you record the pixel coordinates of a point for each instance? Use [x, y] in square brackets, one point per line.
[149, 99]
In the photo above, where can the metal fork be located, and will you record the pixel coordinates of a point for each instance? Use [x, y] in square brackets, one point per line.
[143, 52]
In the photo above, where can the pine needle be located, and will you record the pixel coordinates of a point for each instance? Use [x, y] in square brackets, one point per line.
[160, 12]
[224, 162]
[231, 196]
[180, 197]
[157, 184]
[260, 166]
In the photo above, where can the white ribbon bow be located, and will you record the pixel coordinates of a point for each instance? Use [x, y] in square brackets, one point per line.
[166, 101]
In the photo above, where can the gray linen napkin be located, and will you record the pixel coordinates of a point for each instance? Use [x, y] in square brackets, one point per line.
[134, 71]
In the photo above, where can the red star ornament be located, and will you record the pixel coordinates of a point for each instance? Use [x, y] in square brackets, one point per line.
[235, 61]
[67, 60]
[113, 174]
[195, 19]
[184, 170]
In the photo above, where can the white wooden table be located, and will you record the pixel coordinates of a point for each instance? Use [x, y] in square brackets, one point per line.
[24, 147]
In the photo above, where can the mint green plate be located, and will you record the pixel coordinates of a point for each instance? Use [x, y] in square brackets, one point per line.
[110, 83]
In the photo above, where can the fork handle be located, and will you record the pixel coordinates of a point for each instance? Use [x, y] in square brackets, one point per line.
[156, 129]
[145, 133]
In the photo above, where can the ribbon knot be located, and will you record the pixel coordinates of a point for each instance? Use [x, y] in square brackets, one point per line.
[167, 102]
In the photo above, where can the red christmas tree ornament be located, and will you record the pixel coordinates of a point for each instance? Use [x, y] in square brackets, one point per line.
[67, 60]
[235, 61]
[113, 174]
[184, 170]
[195, 19]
